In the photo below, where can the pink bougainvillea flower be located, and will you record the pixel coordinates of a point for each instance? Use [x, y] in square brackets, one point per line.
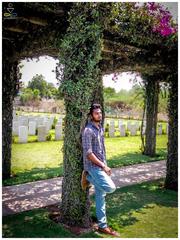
[163, 18]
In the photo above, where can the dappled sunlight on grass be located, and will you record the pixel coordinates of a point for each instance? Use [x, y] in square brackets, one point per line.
[35, 224]
[33, 175]
[145, 210]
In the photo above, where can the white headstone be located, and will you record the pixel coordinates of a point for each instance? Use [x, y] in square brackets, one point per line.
[51, 120]
[41, 133]
[59, 122]
[15, 128]
[120, 122]
[160, 129]
[128, 125]
[40, 121]
[167, 128]
[123, 130]
[111, 128]
[137, 125]
[23, 134]
[58, 132]
[15, 117]
[32, 128]
[23, 121]
[133, 130]
[31, 118]
[14, 112]
[47, 124]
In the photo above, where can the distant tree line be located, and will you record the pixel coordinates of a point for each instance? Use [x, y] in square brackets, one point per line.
[37, 89]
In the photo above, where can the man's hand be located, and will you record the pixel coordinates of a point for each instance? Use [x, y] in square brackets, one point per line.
[107, 170]
[92, 157]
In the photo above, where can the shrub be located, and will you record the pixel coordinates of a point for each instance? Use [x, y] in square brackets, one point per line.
[54, 122]
[49, 137]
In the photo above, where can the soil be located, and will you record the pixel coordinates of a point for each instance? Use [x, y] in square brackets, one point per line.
[55, 215]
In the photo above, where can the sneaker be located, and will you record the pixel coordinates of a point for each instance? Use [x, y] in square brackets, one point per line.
[109, 231]
[84, 182]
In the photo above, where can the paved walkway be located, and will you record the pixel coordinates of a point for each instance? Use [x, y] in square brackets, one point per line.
[27, 196]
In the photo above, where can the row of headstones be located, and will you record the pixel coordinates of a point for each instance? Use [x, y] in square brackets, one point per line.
[27, 125]
[132, 127]
[42, 133]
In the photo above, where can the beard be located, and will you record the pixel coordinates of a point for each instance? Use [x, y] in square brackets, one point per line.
[96, 120]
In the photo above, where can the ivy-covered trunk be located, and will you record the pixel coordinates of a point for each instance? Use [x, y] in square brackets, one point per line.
[171, 181]
[80, 54]
[75, 203]
[99, 97]
[9, 77]
[152, 95]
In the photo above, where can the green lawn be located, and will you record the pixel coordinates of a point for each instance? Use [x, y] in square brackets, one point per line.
[42, 160]
[143, 210]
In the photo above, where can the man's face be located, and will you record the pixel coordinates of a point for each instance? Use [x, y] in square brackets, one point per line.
[97, 115]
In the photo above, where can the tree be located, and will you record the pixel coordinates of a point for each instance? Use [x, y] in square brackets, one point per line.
[152, 27]
[38, 82]
[81, 84]
[152, 97]
[36, 94]
[52, 91]
[28, 95]
[171, 180]
[109, 92]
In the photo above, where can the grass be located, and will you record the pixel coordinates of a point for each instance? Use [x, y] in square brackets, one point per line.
[144, 210]
[43, 160]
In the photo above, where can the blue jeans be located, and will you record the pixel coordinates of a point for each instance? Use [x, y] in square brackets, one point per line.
[103, 184]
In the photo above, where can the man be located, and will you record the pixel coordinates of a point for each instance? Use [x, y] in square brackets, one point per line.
[96, 170]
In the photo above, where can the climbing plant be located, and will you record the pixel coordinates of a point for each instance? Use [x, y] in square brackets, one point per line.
[80, 77]
[151, 27]
[144, 24]
[80, 53]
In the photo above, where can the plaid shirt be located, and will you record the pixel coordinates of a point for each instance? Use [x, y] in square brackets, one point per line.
[93, 141]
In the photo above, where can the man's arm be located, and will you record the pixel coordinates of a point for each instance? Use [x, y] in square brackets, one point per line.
[92, 157]
[87, 146]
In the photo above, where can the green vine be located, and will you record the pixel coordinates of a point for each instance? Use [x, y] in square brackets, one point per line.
[80, 53]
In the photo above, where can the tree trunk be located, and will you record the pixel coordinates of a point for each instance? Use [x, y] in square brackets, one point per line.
[98, 96]
[171, 181]
[9, 81]
[75, 203]
[152, 94]
[81, 85]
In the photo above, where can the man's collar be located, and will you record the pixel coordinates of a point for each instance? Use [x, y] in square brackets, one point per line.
[93, 124]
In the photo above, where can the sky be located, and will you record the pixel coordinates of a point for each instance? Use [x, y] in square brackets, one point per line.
[46, 66]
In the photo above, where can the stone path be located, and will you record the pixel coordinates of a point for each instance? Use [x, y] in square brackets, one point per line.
[27, 196]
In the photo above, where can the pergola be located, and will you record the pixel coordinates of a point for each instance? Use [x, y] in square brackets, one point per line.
[33, 31]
